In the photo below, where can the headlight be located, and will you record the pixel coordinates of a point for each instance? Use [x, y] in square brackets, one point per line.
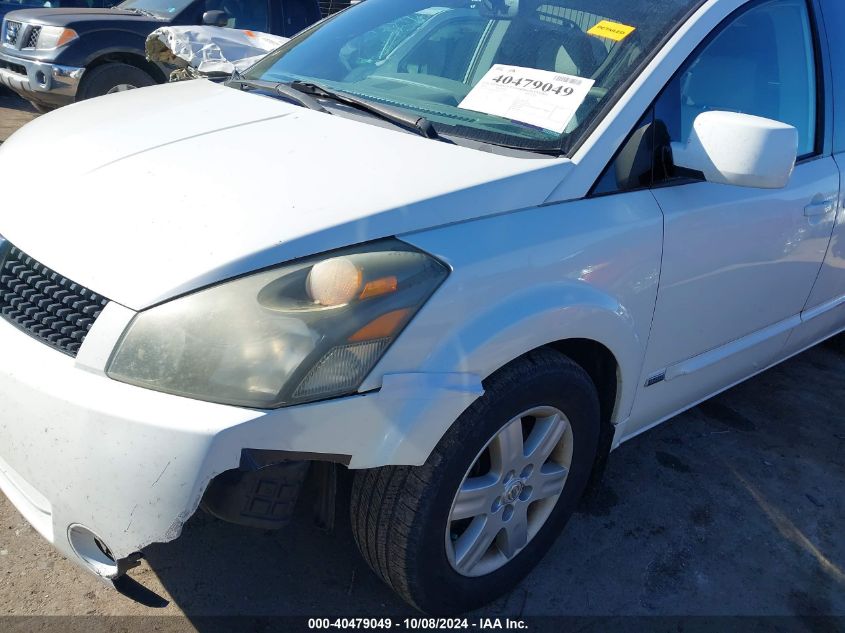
[300, 332]
[53, 37]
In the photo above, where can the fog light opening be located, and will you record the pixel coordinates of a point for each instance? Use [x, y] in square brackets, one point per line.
[41, 78]
[103, 548]
[93, 551]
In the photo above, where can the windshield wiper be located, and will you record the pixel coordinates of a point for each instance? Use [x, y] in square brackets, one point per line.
[417, 124]
[285, 91]
[547, 151]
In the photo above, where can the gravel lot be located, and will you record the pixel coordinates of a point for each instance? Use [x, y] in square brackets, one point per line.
[733, 508]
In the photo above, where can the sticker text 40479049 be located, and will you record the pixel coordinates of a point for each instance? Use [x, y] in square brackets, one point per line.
[538, 84]
[540, 98]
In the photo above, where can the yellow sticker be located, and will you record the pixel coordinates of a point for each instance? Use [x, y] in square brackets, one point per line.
[612, 30]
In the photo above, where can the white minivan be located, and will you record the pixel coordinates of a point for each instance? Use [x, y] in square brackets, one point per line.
[464, 248]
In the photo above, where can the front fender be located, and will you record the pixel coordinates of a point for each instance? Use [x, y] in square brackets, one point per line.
[587, 269]
[539, 316]
[490, 340]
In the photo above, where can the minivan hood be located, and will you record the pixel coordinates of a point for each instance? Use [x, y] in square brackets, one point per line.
[148, 194]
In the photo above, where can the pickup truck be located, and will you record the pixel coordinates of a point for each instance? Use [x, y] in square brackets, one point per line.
[54, 56]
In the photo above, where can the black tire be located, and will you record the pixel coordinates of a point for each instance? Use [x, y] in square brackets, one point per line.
[99, 80]
[399, 513]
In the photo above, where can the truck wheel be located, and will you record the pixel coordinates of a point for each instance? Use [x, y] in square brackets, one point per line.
[112, 77]
[469, 524]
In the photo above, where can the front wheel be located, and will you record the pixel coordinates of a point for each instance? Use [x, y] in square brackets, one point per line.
[111, 78]
[468, 525]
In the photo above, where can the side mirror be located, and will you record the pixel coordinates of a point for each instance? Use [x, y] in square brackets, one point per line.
[215, 18]
[739, 149]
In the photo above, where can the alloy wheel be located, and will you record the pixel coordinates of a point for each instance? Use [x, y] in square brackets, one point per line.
[509, 492]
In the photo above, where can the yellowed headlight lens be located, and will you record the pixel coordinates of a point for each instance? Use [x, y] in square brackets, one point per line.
[334, 282]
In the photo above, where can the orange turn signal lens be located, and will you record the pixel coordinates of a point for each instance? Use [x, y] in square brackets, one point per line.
[379, 287]
[66, 36]
[381, 327]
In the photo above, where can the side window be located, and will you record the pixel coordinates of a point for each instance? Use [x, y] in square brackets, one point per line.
[251, 15]
[834, 17]
[761, 63]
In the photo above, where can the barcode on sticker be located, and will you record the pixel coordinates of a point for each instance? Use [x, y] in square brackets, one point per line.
[565, 79]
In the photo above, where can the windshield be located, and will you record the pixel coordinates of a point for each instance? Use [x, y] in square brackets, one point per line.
[160, 8]
[528, 74]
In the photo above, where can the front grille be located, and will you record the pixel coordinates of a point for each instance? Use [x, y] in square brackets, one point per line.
[45, 305]
[11, 32]
[32, 38]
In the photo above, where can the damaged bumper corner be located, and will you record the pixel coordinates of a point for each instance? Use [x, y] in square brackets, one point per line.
[102, 469]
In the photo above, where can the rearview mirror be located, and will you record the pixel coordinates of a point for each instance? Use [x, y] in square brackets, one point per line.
[215, 18]
[739, 149]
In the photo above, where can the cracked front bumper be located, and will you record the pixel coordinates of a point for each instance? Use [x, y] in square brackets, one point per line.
[130, 465]
[50, 84]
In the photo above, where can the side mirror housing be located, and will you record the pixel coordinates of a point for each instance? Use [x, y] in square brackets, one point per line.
[730, 148]
[215, 18]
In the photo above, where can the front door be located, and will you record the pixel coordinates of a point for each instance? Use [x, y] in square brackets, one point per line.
[825, 310]
[739, 264]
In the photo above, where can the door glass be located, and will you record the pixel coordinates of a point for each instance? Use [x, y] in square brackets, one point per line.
[762, 63]
[834, 18]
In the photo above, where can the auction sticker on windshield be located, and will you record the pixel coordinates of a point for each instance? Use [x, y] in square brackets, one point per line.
[611, 30]
[540, 98]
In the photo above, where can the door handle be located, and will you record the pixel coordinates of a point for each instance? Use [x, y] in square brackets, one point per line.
[823, 207]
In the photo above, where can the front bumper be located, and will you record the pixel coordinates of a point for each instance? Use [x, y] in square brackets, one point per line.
[50, 84]
[130, 465]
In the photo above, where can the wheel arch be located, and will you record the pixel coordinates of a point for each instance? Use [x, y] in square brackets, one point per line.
[603, 369]
[126, 57]
[601, 365]
[578, 320]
